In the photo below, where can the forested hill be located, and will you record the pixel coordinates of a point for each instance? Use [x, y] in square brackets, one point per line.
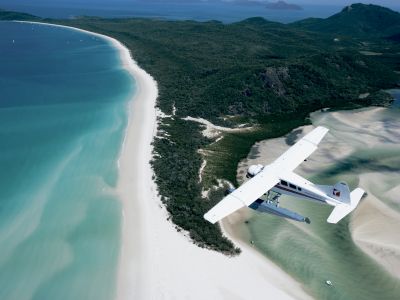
[256, 72]
[357, 20]
[11, 15]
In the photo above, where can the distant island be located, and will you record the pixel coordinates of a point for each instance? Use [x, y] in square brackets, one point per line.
[282, 5]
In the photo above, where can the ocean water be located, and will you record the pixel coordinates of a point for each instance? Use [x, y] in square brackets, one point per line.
[63, 111]
[369, 146]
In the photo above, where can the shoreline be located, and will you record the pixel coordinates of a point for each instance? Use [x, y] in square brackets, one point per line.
[133, 163]
[155, 259]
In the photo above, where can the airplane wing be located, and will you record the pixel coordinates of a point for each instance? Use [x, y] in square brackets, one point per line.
[245, 195]
[296, 154]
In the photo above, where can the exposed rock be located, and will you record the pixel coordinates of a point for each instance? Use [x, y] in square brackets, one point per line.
[273, 77]
[236, 108]
[266, 107]
[247, 92]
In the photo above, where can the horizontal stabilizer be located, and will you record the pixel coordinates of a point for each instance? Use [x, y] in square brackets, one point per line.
[342, 210]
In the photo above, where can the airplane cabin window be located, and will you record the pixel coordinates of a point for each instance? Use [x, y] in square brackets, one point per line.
[299, 188]
[292, 186]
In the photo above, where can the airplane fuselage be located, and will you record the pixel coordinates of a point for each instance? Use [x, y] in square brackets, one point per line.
[296, 186]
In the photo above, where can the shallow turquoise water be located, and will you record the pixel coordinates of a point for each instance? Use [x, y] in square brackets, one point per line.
[63, 113]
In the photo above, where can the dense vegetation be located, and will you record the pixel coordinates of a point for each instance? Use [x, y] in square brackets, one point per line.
[255, 72]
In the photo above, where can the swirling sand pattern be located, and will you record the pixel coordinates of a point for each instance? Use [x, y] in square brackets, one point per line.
[361, 254]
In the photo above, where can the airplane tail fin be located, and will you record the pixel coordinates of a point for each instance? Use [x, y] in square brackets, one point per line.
[343, 209]
[341, 192]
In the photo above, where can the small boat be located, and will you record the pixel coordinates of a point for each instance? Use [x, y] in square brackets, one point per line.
[328, 282]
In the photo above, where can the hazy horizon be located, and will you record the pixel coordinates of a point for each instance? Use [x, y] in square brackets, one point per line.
[388, 3]
[227, 11]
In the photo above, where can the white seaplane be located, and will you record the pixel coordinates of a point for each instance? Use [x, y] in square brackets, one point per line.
[278, 178]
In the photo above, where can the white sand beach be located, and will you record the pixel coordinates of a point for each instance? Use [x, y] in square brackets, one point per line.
[157, 261]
